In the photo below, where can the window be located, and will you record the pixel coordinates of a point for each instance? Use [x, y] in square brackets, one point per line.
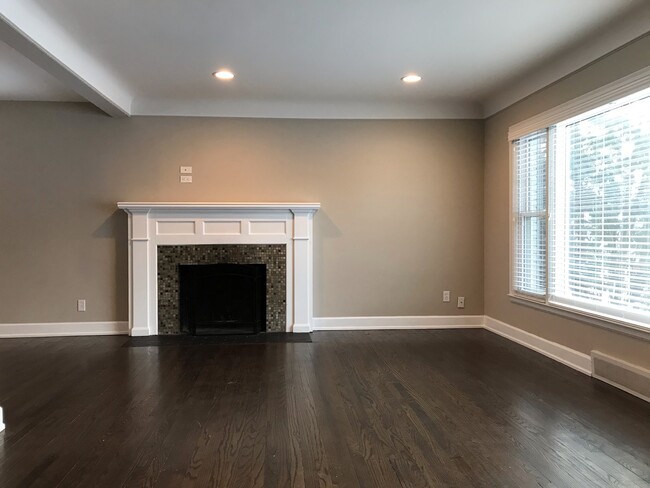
[581, 208]
[530, 213]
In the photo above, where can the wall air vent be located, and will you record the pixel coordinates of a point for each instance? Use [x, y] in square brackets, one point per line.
[628, 377]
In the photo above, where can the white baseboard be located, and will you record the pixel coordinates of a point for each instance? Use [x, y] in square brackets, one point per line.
[301, 328]
[574, 359]
[570, 357]
[56, 329]
[2, 425]
[138, 331]
[409, 322]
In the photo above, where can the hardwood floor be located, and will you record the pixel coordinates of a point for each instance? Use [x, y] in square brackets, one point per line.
[460, 408]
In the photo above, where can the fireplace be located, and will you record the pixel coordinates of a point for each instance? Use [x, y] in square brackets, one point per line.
[222, 298]
[163, 236]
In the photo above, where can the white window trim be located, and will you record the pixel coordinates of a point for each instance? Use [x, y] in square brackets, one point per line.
[578, 315]
[611, 92]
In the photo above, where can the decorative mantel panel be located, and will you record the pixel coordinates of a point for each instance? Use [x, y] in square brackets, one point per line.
[155, 224]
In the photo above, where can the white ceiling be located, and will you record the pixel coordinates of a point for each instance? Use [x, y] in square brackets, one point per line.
[333, 58]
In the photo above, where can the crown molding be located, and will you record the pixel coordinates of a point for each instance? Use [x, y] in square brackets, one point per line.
[608, 39]
[287, 109]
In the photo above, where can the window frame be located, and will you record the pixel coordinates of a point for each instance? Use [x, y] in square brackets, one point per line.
[589, 102]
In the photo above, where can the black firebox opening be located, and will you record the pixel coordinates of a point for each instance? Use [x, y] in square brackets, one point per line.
[222, 298]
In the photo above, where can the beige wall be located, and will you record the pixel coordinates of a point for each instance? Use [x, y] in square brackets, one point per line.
[401, 218]
[576, 335]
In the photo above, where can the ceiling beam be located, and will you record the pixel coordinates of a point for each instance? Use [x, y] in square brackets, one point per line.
[26, 28]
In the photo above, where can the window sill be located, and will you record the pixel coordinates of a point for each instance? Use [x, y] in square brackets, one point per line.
[637, 331]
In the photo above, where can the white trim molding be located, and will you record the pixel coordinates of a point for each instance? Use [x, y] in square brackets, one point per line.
[2, 425]
[62, 329]
[395, 323]
[305, 109]
[209, 206]
[636, 331]
[191, 223]
[562, 354]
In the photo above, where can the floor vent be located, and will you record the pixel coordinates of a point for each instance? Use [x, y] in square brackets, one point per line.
[628, 377]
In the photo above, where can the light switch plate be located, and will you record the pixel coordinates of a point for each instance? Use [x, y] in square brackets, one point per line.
[81, 305]
[186, 178]
[186, 170]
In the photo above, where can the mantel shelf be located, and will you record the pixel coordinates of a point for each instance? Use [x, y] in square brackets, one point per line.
[202, 206]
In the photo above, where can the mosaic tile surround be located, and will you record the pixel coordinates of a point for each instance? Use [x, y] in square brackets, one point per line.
[274, 256]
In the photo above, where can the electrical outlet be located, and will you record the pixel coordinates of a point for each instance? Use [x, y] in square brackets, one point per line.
[186, 170]
[461, 302]
[446, 296]
[186, 179]
[81, 305]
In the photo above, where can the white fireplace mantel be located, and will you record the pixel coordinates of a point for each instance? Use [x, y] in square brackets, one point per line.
[185, 223]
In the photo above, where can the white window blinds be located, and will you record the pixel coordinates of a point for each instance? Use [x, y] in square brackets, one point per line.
[600, 203]
[530, 213]
[581, 212]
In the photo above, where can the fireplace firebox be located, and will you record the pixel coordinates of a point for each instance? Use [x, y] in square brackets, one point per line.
[222, 298]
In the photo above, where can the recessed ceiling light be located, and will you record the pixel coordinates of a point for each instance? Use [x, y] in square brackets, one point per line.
[223, 75]
[412, 78]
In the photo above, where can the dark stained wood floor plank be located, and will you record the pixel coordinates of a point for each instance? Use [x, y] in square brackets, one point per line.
[350, 409]
[468, 422]
[249, 457]
[534, 403]
[168, 394]
[373, 468]
[522, 418]
[278, 467]
[332, 424]
[489, 419]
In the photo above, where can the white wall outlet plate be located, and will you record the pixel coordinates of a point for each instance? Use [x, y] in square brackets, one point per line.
[446, 296]
[81, 305]
[186, 170]
[186, 178]
[461, 302]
